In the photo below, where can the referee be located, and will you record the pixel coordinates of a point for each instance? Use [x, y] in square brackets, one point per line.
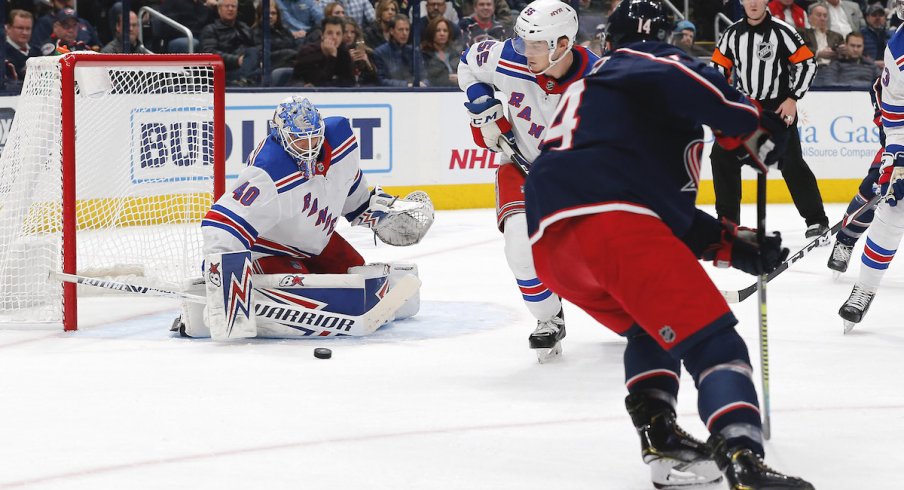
[772, 65]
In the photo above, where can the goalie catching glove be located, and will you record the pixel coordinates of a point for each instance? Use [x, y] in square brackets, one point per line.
[397, 221]
[761, 148]
[739, 249]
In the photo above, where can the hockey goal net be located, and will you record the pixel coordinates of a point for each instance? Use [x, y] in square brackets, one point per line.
[110, 164]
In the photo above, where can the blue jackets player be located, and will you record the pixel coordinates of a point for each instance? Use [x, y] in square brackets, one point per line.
[280, 217]
[614, 229]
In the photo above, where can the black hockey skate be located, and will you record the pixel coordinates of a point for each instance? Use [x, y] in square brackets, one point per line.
[745, 470]
[856, 306]
[676, 459]
[547, 337]
[817, 230]
[178, 326]
[840, 257]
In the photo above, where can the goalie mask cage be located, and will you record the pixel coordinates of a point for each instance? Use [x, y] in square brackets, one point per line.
[111, 163]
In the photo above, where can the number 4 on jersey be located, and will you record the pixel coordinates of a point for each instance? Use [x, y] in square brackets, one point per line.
[565, 122]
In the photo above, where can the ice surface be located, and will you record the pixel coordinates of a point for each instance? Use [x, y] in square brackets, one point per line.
[450, 399]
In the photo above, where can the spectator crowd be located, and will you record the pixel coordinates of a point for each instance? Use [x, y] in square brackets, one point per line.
[359, 43]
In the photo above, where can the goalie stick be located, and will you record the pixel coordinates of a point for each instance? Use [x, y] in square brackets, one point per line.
[742, 294]
[352, 325]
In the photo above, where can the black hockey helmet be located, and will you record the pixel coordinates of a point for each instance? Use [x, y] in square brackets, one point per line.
[637, 20]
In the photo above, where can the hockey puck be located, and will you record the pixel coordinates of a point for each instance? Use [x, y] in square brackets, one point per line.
[323, 353]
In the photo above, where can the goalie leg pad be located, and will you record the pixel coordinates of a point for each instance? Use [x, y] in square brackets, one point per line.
[193, 313]
[230, 305]
[540, 300]
[413, 304]
[394, 273]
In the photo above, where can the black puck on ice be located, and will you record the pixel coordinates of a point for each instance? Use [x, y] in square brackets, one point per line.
[323, 353]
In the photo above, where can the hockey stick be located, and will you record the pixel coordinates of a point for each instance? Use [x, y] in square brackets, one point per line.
[514, 155]
[742, 294]
[287, 314]
[761, 300]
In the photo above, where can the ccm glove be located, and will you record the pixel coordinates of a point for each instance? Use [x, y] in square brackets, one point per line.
[488, 123]
[763, 147]
[891, 178]
[738, 248]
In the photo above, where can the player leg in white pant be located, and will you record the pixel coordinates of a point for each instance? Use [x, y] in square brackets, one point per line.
[543, 304]
[882, 241]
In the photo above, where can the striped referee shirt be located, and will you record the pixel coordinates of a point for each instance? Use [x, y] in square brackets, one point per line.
[770, 60]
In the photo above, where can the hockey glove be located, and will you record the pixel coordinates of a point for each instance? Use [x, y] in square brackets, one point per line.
[488, 124]
[738, 248]
[891, 178]
[395, 221]
[377, 209]
[764, 146]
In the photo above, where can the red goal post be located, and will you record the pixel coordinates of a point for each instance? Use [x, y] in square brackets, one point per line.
[110, 164]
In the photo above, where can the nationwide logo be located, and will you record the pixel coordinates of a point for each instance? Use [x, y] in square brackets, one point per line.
[6, 124]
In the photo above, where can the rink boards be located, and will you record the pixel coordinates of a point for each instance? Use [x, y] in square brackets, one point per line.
[421, 140]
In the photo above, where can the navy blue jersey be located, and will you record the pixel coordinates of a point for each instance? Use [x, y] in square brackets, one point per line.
[629, 137]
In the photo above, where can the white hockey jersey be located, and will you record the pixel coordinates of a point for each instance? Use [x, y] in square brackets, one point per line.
[530, 99]
[892, 97]
[273, 210]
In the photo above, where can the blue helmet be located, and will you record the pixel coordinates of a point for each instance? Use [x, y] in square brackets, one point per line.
[637, 20]
[298, 126]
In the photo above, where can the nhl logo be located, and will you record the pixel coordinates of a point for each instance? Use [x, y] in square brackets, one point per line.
[765, 51]
[667, 334]
[550, 85]
[320, 167]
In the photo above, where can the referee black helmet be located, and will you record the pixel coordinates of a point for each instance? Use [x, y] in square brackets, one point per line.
[637, 20]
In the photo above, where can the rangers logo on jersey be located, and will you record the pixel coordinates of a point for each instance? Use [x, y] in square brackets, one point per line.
[765, 51]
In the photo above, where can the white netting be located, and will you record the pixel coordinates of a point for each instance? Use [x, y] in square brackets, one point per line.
[144, 167]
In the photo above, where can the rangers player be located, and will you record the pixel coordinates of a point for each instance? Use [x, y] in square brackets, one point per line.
[280, 218]
[886, 231]
[531, 71]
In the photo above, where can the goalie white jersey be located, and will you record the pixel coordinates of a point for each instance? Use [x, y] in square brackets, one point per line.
[530, 99]
[272, 209]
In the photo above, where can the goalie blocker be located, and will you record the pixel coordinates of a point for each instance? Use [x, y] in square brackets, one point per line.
[289, 305]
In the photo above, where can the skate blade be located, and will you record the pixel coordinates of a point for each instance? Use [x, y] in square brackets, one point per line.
[848, 326]
[673, 474]
[548, 355]
[836, 275]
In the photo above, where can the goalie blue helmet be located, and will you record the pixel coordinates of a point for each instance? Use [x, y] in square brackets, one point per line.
[637, 20]
[298, 126]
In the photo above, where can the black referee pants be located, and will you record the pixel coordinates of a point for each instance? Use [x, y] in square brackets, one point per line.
[797, 174]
